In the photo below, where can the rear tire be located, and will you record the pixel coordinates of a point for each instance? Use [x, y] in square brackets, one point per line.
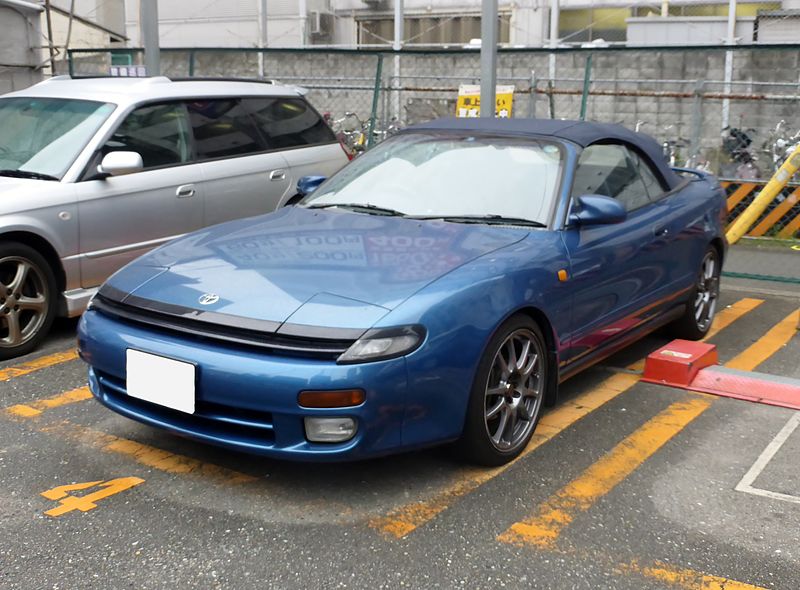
[27, 299]
[507, 395]
[702, 306]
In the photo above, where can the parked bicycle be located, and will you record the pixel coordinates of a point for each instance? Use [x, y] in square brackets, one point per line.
[736, 145]
[780, 145]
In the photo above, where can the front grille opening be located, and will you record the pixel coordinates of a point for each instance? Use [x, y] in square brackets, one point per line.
[209, 419]
[327, 349]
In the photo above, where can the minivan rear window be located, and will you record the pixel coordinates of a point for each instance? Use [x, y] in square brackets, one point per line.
[288, 122]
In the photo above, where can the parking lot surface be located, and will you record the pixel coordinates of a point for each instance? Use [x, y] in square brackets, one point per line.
[624, 485]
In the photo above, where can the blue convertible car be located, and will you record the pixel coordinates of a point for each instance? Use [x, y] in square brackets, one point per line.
[438, 289]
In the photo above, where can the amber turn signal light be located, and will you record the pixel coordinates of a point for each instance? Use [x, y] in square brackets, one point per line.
[331, 399]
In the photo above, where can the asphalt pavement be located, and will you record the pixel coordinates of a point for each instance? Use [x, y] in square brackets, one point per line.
[626, 485]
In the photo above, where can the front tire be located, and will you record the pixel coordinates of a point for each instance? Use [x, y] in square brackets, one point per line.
[27, 299]
[507, 395]
[702, 306]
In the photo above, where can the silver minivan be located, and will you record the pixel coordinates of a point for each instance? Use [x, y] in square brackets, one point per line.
[95, 172]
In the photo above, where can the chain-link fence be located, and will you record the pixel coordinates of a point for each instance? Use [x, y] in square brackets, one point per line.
[729, 110]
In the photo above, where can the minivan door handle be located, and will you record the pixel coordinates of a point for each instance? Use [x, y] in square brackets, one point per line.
[277, 175]
[184, 191]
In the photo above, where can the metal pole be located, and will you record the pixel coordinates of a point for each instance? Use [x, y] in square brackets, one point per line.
[764, 198]
[148, 27]
[262, 35]
[375, 96]
[488, 57]
[731, 40]
[697, 124]
[303, 9]
[50, 39]
[532, 108]
[554, 18]
[397, 45]
[587, 80]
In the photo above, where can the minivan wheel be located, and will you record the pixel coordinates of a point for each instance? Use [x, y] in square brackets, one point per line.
[507, 394]
[27, 299]
[702, 306]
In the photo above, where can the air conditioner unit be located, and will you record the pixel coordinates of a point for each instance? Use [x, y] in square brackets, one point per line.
[320, 24]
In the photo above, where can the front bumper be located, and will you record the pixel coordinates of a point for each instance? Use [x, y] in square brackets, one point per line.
[246, 399]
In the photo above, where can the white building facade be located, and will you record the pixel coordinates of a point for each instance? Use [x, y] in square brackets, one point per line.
[430, 23]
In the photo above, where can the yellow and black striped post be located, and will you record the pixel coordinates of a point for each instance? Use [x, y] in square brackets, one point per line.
[765, 197]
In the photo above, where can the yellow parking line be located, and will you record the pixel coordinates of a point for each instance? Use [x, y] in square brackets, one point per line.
[37, 364]
[581, 494]
[725, 317]
[767, 345]
[403, 520]
[686, 578]
[146, 454]
[36, 408]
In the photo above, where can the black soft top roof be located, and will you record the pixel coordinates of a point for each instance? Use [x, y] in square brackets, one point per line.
[582, 133]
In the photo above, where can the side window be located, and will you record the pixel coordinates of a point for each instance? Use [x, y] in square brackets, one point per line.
[288, 122]
[651, 182]
[159, 133]
[222, 128]
[607, 170]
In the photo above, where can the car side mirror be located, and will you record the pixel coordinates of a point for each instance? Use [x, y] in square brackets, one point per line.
[119, 163]
[597, 210]
[308, 184]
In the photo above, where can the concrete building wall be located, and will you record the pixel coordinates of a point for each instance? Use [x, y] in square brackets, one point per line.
[708, 30]
[20, 33]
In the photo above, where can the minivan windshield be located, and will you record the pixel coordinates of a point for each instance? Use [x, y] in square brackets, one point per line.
[41, 137]
[467, 178]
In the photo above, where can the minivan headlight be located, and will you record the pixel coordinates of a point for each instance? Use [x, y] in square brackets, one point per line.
[383, 343]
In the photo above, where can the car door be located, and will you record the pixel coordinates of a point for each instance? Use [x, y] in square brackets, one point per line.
[121, 217]
[618, 271]
[683, 218]
[290, 124]
[241, 176]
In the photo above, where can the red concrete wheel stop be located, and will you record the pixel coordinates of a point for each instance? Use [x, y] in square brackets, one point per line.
[693, 365]
[678, 363]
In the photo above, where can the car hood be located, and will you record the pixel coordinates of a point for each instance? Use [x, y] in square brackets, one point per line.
[327, 268]
[16, 188]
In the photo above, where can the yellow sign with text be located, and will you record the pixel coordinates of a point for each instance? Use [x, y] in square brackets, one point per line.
[469, 101]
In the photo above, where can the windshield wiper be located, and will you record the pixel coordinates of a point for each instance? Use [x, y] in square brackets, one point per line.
[487, 219]
[365, 207]
[27, 174]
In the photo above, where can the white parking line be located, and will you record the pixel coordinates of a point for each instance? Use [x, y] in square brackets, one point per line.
[772, 448]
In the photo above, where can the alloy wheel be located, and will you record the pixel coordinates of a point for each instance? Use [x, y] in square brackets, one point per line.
[23, 301]
[705, 303]
[514, 390]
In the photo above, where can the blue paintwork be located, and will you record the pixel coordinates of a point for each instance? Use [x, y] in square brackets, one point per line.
[339, 269]
[308, 184]
[597, 210]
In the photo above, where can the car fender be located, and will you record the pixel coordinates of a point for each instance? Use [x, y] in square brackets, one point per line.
[461, 312]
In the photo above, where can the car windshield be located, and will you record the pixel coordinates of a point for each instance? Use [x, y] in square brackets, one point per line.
[41, 137]
[449, 176]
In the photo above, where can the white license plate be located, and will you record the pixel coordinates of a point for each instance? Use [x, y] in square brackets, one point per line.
[160, 380]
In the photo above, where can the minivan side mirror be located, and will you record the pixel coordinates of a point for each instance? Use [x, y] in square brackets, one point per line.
[597, 210]
[308, 184]
[119, 163]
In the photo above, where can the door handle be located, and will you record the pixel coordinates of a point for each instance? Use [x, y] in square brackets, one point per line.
[184, 191]
[277, 175]
[661, 232]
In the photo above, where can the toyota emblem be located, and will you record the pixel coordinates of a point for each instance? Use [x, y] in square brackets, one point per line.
[208, 299]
